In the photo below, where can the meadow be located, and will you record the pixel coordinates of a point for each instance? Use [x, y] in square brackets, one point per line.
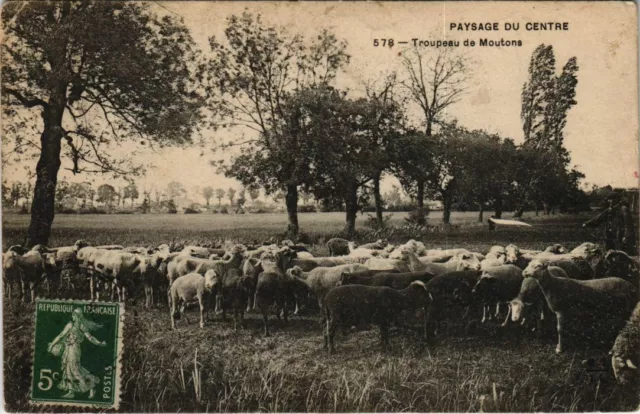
[467, 367]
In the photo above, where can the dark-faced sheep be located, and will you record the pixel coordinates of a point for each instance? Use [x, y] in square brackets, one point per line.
[358, 305]
[498, 285]
[601, 306]
[234, 289]
[617, 263]
[338, 247]
[274, 287]
[450, 291]
[625, 354]
[531, 306]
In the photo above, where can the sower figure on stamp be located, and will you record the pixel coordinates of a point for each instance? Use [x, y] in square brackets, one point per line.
[75, 378]
[619, 231]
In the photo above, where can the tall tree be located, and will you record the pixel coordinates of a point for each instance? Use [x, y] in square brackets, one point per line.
[254, 193]
[131, 192]
[435, 81]
[175, 189]
[207, 193]
[413, 163]
[341, 141]
[248, 80]
[385, 120]
[231, 193]
[116, 63]
[546, 101]
[106, 195]
[219, 195]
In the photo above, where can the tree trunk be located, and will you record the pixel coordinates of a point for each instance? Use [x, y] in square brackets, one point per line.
[497, 206]
[446, 209]
[291, 199]
[545, 207]
[378, 199]
[44, 192]
[351, 204]
[420, 195]
[480, 214]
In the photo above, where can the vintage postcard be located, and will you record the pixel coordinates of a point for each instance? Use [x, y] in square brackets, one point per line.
[320, 206]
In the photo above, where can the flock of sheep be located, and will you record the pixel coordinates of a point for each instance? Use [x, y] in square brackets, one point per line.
[585, 294]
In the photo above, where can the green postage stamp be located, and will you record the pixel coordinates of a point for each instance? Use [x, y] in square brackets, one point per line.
[77, 352]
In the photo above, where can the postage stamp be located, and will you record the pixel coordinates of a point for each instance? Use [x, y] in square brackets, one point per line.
[76, 355]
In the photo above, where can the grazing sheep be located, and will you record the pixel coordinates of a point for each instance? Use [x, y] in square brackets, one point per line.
[188, 289]
[121, 267]
[304, 255]
[498, 285]
[413, 246]
[322, 279]
[251, 268]
[18, 249]
[152, 278]
[183, 265]
[496, 251]
[363, 253]
[392, 280]
[556, 249]
[234, 289]
[617, 263]
[361, 305]
[601, 305]
[10, 272]
[338, 247]
[370, 273]
[273, 286]
[575, 268]
[441, 256]
[459, 263]
[492, 262]
[387, 264]
[31, 267]
[450, 290]
[531, 305]
[377, 245]
[625, 354]
[201, 252]
[110, 247]
[519, 257]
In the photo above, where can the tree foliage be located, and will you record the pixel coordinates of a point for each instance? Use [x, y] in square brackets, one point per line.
[248, 80]
[98, 73]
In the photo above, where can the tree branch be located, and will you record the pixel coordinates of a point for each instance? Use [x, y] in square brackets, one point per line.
[29, 103]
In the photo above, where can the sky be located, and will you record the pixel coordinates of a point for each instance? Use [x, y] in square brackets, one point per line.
[602, 129]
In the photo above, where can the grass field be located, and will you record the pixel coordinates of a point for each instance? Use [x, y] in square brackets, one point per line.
[469, 367]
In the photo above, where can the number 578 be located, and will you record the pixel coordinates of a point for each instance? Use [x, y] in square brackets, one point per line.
[383, 42]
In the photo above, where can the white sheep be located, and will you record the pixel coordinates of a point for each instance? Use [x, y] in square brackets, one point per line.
[322, 279]
[376, 263]
[417, 247]
[362, 253]
[191, 288]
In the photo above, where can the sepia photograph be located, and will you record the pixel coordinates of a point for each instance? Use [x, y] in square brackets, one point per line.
[320, 206]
